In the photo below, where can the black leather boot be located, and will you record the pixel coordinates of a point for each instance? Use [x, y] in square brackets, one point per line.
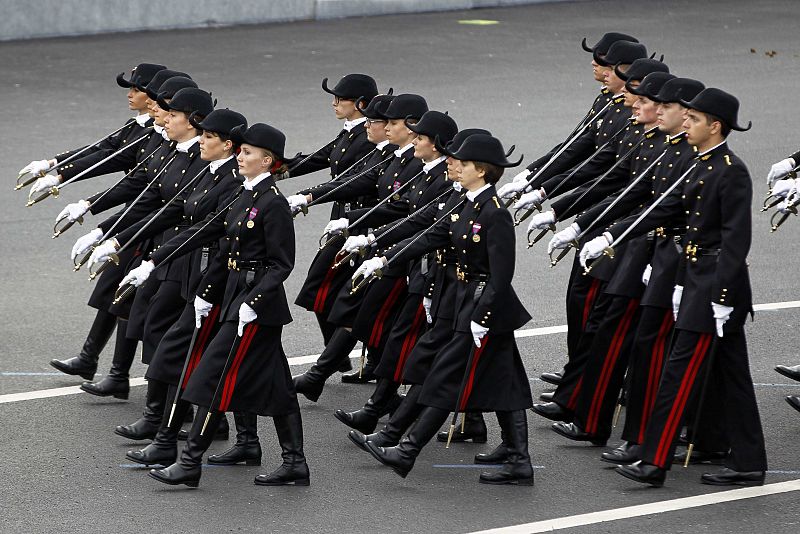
[382, 400]
[401, 420]
[148, 424]
[402, 457]
[294, 470]
[188, 468]
[499, 454]
[517, 468]
[164, 448]
[625, 454]
[221, 434]
[85, 363]
[474, 429]
[115, 383]
[247, 449]
[311, 383]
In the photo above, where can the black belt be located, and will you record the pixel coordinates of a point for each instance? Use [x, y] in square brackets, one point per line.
[466, 276]
[693, 252]
[669, 232]
[245, 265]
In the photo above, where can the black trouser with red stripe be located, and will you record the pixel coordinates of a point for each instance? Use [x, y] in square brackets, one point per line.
[683, 377]
[605, 366]
[408, 326]
[650, 349]
[596, 305]
[582, 292]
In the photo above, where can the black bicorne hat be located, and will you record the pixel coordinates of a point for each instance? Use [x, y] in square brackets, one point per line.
[353, 87]
[625, 52]
[722, 105]
[220, 121]
[373, 109]
[651, 84]
[261, 135]
[435, 124]
[140, 75]
[154, 86]
[172, 86]
[188, 100]
[640, 68]
[458, 139]
[606, 41]
[678, 88]
[406, 106]
[485, 149]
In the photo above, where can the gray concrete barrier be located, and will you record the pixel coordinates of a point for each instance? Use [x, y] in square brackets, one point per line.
[31, 19]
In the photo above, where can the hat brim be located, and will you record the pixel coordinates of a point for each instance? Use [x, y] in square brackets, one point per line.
[162, 102]
[585, 47]
[505, 163]
[122, 82]
[734, 126]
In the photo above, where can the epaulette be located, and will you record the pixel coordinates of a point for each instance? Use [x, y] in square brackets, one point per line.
[727, 159]
[496, 203]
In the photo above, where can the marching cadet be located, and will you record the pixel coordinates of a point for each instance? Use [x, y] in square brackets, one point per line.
[154, 310]
[85, 363]
[244, 367]
[349, 147]
[714, 298]
[368, 316]
[482, 352]
[209, 193]
[428, 187]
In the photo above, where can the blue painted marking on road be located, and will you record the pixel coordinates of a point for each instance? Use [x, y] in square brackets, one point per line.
[25, 373]
[776, 472]
[476, 466]
[154, 466]
[765, 385]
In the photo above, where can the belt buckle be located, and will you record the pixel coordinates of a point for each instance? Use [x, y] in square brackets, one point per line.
[232, 264]
[691, 252]
[660, 232]
[460, 275]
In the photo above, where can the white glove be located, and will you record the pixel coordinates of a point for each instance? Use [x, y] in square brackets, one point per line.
[139, 275]
[246, 315]
[296, 202]
[201, 309]
[355, 242]
[39, 166]
[368, 267]
[783, 187]
[45, 182]
[529, 200]
[84, 243]
[426, 303]
[779, 170]
[646, 274]
[540, 221]
[519, 183]
[677, 294]
[74, 211]
[478, 332]
[594, 248]
[721, 315]
[336, 226]
[564, 237]
[103, 252]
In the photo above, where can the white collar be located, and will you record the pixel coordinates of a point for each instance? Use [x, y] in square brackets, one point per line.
[349, 125]
[382, 145]
[712, 148]
[184, 146]
[400, 151]
[251, 184]
[472, 195]
[217, 163]
[671, 137]
[618, 95]
[142, 119]
[457, 187]
[161, 131]
[431, 164]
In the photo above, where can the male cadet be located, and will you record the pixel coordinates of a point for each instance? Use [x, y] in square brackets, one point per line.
[714, 298]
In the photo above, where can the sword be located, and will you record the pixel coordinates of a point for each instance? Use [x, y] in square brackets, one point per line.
[33, 178]
[236, 343]
[317, 151]
[609, 251]
[53, 191]
[461, 392]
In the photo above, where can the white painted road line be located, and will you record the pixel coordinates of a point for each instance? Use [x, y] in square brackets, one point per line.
[311, 358]
[661, 507]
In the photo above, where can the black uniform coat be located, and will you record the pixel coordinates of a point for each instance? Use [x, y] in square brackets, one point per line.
[258, 229]
[715, 198]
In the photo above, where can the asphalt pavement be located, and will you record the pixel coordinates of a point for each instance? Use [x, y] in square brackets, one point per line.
[524, 78]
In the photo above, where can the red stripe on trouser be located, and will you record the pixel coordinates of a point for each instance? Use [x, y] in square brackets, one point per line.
[409, 342]
[200, 344]
[230, 379]
[654, 375]
[322, 292]
[383, 313]
[573, 399]
[471, 377]
[678, 405]
[587, 304]
[612, 356]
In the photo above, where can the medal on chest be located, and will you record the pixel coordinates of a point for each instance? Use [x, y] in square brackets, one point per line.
[475, 229]
[250, 216]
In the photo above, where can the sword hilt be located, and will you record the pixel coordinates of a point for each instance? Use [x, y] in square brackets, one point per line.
[562, 254]
[58, 231]
[205, 423]
[28, 181]
[53, 191]
[103, 266]
[123, 293]
[689, 451]
[450, 435]
[528, 212]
